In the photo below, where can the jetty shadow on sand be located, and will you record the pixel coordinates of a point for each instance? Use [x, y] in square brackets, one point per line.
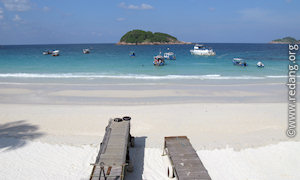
[16, 134]
[137, 157]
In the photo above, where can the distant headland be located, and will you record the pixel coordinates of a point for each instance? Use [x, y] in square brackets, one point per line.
[286, 40]
[140, 37]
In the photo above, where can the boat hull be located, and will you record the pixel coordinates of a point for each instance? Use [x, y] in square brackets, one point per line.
[158, 64]
[202, 53]
[170, 58]
[240, 64]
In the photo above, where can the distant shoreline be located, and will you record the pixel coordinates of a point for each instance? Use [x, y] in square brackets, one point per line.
[154, 43]
[275, 42]
[285, 40]
[114, 43]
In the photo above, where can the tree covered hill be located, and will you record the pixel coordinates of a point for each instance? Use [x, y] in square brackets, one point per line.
[147, 37]
[286, 40]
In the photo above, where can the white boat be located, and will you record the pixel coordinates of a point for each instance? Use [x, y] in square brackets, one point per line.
[55, 53]
[86, 51]
[169, 56]
[201, 50]
[239, 62]
[47, 52]
[260, 64]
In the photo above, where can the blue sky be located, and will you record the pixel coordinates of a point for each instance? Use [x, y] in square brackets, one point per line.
[105, 21]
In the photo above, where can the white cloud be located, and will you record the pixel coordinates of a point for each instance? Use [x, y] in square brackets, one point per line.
[1, 13]
[120, 19]
[16, 5]
[46, 8]
[135, 7]
[17, 18]
[146, 6]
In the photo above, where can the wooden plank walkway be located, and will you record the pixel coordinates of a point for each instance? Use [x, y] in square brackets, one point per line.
[113, 153]
[185, 161]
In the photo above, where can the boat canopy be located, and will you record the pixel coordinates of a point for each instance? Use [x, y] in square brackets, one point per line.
[159, 57]
[169, 53]
[238, 59]
[199, 46]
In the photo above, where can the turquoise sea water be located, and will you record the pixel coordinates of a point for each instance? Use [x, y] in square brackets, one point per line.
[113, 61]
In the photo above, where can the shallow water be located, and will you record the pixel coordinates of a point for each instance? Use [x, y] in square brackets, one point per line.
[113, 61]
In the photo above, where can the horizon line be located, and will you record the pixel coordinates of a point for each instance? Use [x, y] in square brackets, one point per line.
[138, 45]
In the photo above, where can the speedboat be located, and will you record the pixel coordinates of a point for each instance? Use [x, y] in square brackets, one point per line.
[201, 50]
[47, 52]
[159, 60]
[260, 64]
[86, 51]
[169, 56]
[239, 62]
[55, 53]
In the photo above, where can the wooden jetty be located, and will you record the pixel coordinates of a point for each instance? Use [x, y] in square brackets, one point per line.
[113, 157]
[184, 163]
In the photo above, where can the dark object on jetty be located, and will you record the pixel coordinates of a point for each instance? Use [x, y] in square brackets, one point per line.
[184, 163]
[113, 158]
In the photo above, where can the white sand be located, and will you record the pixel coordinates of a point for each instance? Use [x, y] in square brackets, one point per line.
[272, 162]
[39, 160]
[54, 131]
[207, 125]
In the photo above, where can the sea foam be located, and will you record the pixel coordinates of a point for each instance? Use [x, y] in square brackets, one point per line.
[129, 76]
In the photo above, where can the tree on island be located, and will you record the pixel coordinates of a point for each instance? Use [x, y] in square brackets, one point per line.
[286, 40]
[147, 37]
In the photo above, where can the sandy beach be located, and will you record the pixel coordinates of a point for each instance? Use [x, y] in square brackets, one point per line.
[52, 130]
[149, 90]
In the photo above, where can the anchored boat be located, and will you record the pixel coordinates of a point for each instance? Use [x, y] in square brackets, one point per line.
[239, 62]
[169, 55]
[132, 54]
[47, 52]
[201, 50]
[159, 60]
[260, 64]
[55, 53]
[86, 51]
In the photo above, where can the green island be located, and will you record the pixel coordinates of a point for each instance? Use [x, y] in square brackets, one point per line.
[140, 37]
[286, 40]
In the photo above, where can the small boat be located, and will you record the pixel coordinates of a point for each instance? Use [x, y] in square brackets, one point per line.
[132, 54]
[169, 55]
[201, 50]
[159, 60]
[260, 64]
[47, 52]
[86, 51]
[55, 53]
[239, 62]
